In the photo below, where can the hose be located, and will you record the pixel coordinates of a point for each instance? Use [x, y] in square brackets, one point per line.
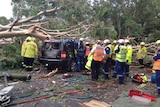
[89, 95]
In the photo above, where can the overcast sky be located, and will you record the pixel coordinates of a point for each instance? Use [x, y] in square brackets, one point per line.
[5, 8]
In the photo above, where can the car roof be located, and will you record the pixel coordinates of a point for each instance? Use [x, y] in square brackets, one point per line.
[58, 40]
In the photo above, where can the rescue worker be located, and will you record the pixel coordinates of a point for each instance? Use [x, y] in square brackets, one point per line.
[128, 56]
[87, 51]
[80, 55]
[97, 43]
[75, 43]
[108, 63]
[142, 52]
[22, 50]
[30, 52]
[156, 67]
[114, 44]
[98, 53]
[120, 61]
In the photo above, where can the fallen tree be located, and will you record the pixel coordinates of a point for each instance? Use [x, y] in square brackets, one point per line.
[33, 26]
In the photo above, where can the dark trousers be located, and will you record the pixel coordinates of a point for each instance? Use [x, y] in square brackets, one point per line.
[29, 63]
[127, 70]
[80, 63]
[107, 68]
[95, 66]
[158, 80]
[120, 67]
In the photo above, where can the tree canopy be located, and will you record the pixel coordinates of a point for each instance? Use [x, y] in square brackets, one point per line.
[111, 19]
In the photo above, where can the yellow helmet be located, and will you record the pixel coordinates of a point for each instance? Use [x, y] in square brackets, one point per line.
[28, 38]
[115, 41]
[142, 43]
[158, 42]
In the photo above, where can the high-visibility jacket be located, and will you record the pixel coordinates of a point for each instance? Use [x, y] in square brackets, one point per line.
[94, 45]
[156, 65]
[23, 47]
[113, 51]
[110, 47]
[89, 62]
[121, 55]
[30, 50]
[87, 50]
[129, 54]
[142, 52]
[98, 54]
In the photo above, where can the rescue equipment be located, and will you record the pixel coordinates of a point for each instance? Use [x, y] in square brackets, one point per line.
[140, 78]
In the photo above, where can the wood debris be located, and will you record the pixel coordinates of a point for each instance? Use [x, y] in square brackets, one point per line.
[96, 103]
[49, 74]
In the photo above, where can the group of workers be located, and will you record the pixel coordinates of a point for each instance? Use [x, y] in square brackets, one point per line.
[29, 51]
[102, 56]
[105, 55]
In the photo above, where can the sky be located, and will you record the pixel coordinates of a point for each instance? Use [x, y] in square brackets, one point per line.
[5, 8]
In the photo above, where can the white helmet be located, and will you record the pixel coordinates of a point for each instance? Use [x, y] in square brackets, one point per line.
[87, 43]
[81, 39]
[126, 41]
[106, 41]
[121, 41]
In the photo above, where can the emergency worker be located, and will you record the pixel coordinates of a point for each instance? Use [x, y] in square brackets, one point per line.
[80, 55]
[108, 62]
[22, 50]
[98, 53]
[114, 44]
[87, 51]
[156, 67]
[128, 56]
[97, 43]
[30, 52]
[142, 52]
[120, 61]
[75, 43]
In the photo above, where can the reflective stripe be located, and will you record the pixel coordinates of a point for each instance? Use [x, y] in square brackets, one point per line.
[158, 87]
[105, 72]
[120, 75]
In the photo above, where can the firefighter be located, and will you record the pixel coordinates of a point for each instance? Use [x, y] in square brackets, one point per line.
[120, 51]
[107, 64]
[98, 53]
[22, 50]
[128, 56]
[80, 55]
[30, 52]
[142, 52]
[156, 67]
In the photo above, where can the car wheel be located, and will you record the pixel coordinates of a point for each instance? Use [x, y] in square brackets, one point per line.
[73, 66]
